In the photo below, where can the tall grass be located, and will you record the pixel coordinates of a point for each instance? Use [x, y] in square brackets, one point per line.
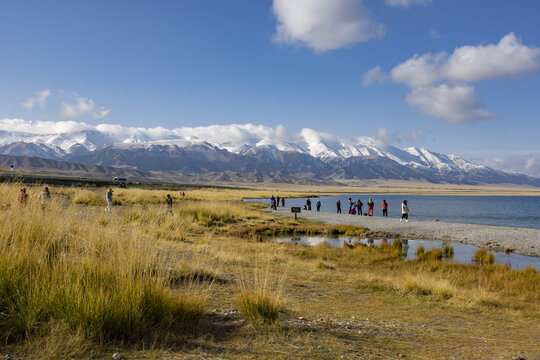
[102, 278]
[482, 257]
[259, 300]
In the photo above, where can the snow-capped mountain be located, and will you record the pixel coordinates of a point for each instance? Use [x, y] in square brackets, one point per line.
[237, 148]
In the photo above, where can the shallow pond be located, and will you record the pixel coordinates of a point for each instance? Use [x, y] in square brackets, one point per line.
[463, 254]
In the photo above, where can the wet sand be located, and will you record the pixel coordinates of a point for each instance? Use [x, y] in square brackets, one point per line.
[519, 240]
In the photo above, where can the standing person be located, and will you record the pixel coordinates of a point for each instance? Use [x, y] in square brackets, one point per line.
[169, 203]
[308, 204]
[272, 198]
[23, 198]
[277, 202]
[274, 204]
[384, 208]
[108, 196]
[44, 197]
[359, 205]
[282, 202]
[370, 205]
[350, 203]
[318, 203]
[338, 204]
[404, 211]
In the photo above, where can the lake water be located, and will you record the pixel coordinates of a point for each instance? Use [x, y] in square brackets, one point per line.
[463, 254]
[512, 211]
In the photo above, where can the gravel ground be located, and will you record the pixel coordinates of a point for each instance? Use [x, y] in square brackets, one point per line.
[519, 240]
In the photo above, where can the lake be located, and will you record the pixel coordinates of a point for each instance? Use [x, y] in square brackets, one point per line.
[512, 211]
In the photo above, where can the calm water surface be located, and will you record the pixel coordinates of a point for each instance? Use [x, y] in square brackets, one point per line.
[463, 254]
[512, 211]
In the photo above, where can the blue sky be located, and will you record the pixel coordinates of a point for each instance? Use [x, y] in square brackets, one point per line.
[299, 63]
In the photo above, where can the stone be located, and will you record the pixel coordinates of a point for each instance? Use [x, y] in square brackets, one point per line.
[320, 347]
[117, 356]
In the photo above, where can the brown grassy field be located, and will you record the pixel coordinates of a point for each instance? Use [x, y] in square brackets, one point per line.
[203, 281]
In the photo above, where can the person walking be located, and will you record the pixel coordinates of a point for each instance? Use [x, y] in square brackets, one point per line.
[404, 211]
[359, 205]
[274, 204]
[318, 204]
[350, 203]
[282, 202]
[23, 198]
[384, 208]
[44, 197]
[308, 204]
[169, 203]
[370, 205]
[108, 196]
[338, 204]
[277, 202]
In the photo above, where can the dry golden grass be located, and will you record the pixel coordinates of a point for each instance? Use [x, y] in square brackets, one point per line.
[91, 276]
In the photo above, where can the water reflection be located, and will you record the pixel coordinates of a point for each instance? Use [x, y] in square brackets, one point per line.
[463, 254]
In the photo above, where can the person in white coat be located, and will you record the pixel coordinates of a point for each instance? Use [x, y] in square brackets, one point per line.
[404, 211]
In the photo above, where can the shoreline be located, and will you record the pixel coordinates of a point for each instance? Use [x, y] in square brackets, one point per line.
[521, 241]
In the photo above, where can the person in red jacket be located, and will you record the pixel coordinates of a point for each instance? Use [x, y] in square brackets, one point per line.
[384, 208]
[370, 204]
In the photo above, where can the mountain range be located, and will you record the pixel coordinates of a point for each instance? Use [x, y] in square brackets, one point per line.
[233, 153]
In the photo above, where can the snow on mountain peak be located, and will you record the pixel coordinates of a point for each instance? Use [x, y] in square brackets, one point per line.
[66, 137]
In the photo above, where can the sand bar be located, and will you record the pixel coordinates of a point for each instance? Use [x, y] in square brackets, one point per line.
[520, 240]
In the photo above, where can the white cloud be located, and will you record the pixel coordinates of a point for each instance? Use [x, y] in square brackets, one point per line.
[508, 57]
[439, 82]
[324, 25]
[455, 104]
[102, 112]
[521, 162]
[469, 63]
[38, 100]
[407, 3]
[385, 136]
[420, 70]
[374, 76]
[82, 107]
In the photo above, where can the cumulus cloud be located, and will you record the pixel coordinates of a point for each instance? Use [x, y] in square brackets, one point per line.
[406, 3]
[420, 70]
[82, 107]
[455, 104]
[39, 100]
[440, 83]
[374, 76]
[508, 57]
[324, 25]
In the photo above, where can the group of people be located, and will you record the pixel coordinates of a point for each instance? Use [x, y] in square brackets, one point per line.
[307, 206]
[44, 197]
[274, 202]
[356, 208]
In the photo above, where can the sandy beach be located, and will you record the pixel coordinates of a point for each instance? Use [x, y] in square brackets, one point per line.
[519, 240]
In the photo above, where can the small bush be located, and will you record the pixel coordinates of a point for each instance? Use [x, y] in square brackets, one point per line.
[419, 251]
[482, 257]
[448, 251]
[434, 254]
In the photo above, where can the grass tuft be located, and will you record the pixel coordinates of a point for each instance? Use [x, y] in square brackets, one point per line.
[482, 257]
